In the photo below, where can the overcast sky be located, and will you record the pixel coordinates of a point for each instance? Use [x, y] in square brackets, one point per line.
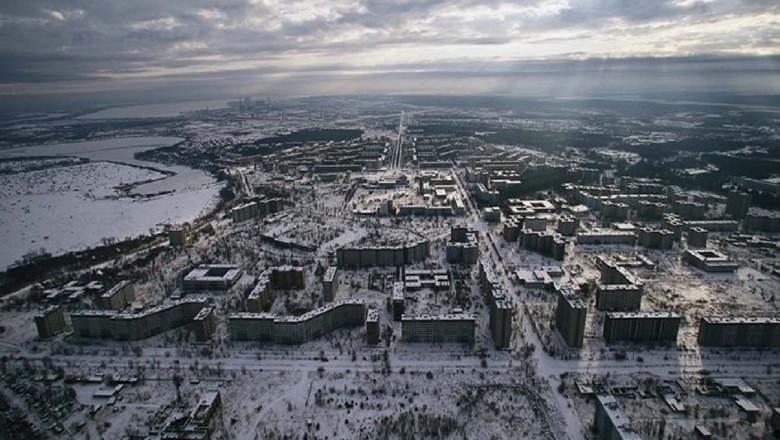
[107, 45]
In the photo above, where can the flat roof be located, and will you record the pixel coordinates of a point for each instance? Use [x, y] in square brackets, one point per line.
[642, 315]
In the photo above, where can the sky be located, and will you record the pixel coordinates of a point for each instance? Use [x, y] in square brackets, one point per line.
[180, 47]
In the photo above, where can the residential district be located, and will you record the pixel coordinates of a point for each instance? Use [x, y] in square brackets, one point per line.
[411, 282]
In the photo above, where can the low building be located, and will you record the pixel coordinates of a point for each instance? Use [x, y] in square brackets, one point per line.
[50, 322]
[710, 260]
[647, 327]
[417, 279]
[757, 332]
[438, 328]
[212, 277]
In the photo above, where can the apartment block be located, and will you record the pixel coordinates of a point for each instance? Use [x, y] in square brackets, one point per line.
[117, 297]
[757, 332]
[570, 316]
[438, 328]
[298, 329]
[644, 327]
[50, 322]
[107, 324]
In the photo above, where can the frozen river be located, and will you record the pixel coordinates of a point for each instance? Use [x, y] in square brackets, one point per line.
[73, 207]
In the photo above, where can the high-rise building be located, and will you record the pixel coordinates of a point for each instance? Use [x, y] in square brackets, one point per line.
[570, 316]
[737, 204]
[610, 422]
[50, 322]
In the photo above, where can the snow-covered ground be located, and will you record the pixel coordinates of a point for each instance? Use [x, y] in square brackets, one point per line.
[64, 208]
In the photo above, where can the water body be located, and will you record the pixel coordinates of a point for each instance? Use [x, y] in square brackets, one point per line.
[70, 214]
[168, 110]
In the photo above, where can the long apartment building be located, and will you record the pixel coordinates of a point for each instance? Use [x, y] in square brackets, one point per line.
[298, 329]
[641, 327]
[499, 304]
[438, 328]
[108, 324]
[757, 332]
[383, 256]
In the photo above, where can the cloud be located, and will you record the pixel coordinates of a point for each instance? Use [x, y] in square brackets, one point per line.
[49, 44]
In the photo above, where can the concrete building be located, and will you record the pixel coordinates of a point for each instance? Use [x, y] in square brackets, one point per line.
[255, 207]
[655, 238]
[106, 324]
[757, 332]
[766, 222]
[287, 277]
[737, 204]
[117, 297]
[710, 260]
[463, 247]
[211, 277]
[261, 296]
[568, 225]
[641, 327]
[501, 321]
[614, 211]
[512, 226]
[372, 327]
[618, 289]
[436, 279]
[672, 222]
[618, 297]
[298, 329]
[697, 237]
[491, 214]
[398, 300]
[330, 283]
[438, 328]
[546, 243]
[205, 324]
[606, 237]
[712, 225]
[647, 210]
[179, 236]
[383, 256]
[689, 210]
[50, 322]
[610, 422]
[570, 316]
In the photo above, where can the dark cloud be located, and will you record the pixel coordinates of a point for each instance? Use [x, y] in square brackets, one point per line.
[56, 43]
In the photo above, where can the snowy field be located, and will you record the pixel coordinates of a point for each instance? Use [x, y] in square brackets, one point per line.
[64, 208]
